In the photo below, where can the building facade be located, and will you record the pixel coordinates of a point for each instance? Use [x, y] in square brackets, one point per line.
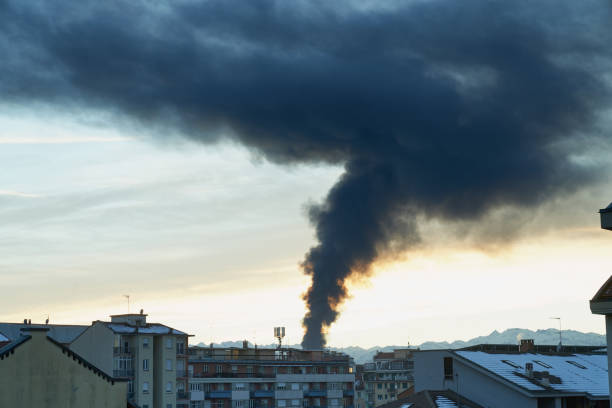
[504, 379]
[37, 371]
[388, 377]
[151, 357]
[266, 378]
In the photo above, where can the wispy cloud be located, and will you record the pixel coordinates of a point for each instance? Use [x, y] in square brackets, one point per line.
[12, 193]
[61, 140]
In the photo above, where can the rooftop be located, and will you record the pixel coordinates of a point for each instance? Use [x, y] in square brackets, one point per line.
[578, 374]
[432, 399]
[62, 333]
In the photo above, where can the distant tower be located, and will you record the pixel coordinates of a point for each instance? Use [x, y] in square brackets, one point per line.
[279, 333]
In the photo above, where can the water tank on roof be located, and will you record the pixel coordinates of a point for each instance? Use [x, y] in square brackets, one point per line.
[606, 217]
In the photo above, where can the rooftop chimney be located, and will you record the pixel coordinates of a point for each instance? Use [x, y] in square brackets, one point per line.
[527, 346]
[529, 370]
[545, 381]
[245, 344]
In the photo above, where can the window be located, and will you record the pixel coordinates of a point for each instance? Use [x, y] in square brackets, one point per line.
[145, 387]
[317, 402]
[180, 348]
[239, 387]
[404, 385]
[281, 403]
[204, 368]
[334, 402]
[448, 368]
[281, 386]
[315, 370]
[220, 387]
[379, 386]
[250, 370]
[195, 387]
[511, 364]
[130, 386]
[169, 343]
[238, 403]
[543, 364]
[145, 364]
[169, 386]
[576, 364]
[295, 403]
[379, 397]
[234, 369]
[168, 364]
[219, 369]
[295, 387]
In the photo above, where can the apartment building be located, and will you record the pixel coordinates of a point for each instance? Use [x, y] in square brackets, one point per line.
[152, 357]
[506, 376]
[249, 377]
[388, 377]
[38, 371]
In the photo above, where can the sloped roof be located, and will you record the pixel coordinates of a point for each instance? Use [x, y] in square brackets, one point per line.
[62, 333]
[150, 328]
[574, 373]
[432, 399]
[3, 338]
[10, 349]
[604, 293]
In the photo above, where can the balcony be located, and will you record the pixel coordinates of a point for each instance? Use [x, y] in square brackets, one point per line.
[315, 393]
[218, 394]
[118, 351]
[349, 393]
[263, 394]
[182, 395]
[181, 373]
[123, 373]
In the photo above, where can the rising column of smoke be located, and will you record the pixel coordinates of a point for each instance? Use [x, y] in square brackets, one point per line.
[443, 109]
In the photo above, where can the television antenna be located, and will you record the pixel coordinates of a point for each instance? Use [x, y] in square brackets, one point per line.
[128, 300]
[560, 339]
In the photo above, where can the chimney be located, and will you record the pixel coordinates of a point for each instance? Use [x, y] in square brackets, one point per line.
[529, 370]
[527, 346]
[545, 381]
[245, 344]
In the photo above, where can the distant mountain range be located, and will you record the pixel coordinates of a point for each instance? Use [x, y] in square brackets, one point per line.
[509, 336]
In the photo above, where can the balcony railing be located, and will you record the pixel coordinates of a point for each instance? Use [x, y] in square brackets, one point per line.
[122, 350]
[123, 373]
[231, 375]
[181, 373]
[183, 395]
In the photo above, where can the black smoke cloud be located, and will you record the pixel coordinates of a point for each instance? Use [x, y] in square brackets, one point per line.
[444, 109]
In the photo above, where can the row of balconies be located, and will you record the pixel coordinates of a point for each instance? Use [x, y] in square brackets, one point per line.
[123, 350]
[271, 394]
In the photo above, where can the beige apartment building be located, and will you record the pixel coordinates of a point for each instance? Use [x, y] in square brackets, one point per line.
[151, 357]
[388, 377]
[38, 371]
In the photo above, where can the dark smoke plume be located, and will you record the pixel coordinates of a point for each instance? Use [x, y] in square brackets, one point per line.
[443, 109]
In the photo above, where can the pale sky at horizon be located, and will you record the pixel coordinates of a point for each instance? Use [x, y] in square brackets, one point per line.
[208, 238]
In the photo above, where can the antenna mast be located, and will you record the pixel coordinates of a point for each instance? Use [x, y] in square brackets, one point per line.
[128, 300]
[279, 333]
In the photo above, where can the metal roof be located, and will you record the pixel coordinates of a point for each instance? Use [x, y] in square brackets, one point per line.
[64, 334]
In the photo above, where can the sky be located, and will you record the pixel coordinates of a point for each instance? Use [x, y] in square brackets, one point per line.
[361, 173]
[208, 239]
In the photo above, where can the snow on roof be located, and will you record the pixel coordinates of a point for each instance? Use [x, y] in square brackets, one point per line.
[154, 328]
[443, 402]
[61, 333]
[3, 338]
[577, 372]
